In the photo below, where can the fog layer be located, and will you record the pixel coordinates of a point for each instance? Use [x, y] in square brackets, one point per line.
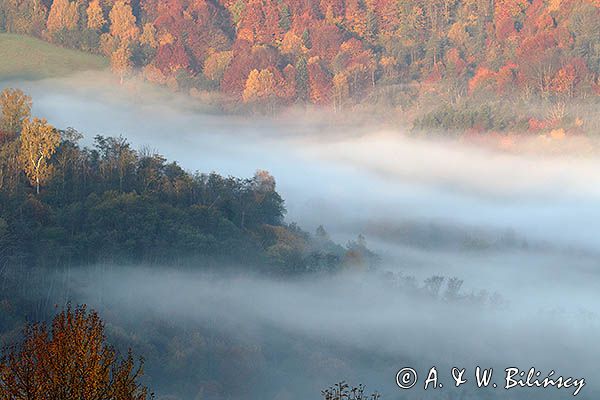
[522, 226]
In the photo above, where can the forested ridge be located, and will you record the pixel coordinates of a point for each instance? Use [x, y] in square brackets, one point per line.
[334, 51]
[63, 204]
[67, 210]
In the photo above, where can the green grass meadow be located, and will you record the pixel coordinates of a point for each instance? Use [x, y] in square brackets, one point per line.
[24, 57]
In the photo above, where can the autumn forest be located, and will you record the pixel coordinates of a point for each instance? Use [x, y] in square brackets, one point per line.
[297, 199]
[331, 51]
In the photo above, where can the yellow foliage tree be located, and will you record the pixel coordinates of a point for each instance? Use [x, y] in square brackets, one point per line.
[16, 107]
[122, 22]
[341, 90]
[120, 61]
[388, 64]
[165, 38]
[148, 36]
[215, 64]
[259, 86]
[39, 141]
[95, 15]
[252, 86]
[56, 15]
[292, 44]
[24, 16]
[63, 15]
[72, 17]
[356, 17]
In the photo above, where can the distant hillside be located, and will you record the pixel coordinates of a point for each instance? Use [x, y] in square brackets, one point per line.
[25, 57]
[340, 48]
[451, 60]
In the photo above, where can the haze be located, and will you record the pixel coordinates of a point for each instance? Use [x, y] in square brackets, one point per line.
[521, 226]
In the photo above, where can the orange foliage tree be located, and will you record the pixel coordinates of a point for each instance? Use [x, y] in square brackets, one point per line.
[484, 78]
[122, 22]
[71, 360]
[95, 15]
[120, 62]
[320, 85]
[63, 15]
[260, 86]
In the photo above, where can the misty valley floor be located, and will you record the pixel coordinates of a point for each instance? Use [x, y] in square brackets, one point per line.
[515, 229]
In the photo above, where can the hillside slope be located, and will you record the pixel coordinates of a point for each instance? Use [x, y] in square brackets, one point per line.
[25, 57]
[332, 51]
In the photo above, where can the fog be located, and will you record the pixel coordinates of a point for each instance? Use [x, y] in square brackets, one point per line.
[522, 226]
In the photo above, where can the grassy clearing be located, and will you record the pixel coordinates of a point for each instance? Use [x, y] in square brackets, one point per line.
[24, 57]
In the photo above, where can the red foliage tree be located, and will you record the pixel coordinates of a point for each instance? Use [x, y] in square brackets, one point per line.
[172, 57]
[326, 40]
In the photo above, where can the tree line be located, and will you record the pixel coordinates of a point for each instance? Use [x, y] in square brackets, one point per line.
[332, 51]
[61, 203]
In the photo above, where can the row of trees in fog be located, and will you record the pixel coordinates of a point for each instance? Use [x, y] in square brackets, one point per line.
[63, 203]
